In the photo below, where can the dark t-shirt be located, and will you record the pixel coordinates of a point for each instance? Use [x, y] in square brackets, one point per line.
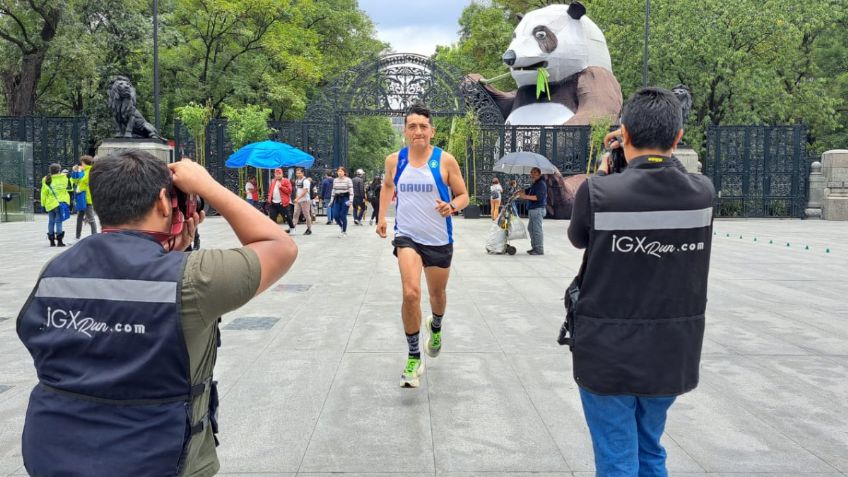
[540, 190]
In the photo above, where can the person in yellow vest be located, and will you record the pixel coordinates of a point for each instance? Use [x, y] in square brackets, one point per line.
[82, 201]
[54, 193]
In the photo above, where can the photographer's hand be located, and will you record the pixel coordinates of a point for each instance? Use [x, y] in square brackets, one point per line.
[184, 239]
[611, 140]
[190, 177]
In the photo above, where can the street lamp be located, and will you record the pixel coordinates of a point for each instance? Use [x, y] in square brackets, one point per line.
[156, 63]
[645, 54]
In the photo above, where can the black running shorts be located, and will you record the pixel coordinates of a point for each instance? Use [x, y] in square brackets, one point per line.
[431, 255]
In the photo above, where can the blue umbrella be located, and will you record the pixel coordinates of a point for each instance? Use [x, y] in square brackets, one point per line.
[269, 155]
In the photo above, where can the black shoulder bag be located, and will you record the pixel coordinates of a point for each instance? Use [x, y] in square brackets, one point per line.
[572, 294]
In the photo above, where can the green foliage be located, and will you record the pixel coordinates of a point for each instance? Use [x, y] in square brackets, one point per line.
[371, 139]
[485, 33]
[247, 125]
[195, 118]
[600, 128]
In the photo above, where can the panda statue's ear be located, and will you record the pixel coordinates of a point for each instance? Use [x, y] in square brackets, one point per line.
[519, 16]
[576, 10]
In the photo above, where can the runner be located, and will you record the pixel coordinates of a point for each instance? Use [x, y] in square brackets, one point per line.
[423, 177]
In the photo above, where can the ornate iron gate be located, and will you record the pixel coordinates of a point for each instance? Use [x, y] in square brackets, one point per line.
[384, 87]
[59, 140]
[758, 171]
[567, 147]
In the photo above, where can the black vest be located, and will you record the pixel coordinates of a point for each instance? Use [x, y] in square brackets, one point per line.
[104, 330]
[639, 321]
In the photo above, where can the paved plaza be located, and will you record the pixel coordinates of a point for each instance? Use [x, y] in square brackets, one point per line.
[309, 370]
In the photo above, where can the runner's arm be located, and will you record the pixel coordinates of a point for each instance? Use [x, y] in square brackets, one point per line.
[387, 192]
[456, 182]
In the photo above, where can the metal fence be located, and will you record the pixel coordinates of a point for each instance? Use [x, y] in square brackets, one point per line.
[758, 171]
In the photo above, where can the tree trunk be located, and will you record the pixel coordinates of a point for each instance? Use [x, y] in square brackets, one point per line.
[21, 85]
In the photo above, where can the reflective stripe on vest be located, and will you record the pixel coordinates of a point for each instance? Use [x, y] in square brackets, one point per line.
[107, 344]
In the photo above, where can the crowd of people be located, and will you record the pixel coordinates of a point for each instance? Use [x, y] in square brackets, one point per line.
[64, 193]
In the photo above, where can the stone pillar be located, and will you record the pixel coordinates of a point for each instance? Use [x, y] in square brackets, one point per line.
[835, 171]
[689, 158]
[153, 146]
[815, 191]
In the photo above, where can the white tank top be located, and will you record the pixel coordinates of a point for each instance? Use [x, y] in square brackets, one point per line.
[417, 190]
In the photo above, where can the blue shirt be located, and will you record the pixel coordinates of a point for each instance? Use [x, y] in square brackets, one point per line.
[540, 190]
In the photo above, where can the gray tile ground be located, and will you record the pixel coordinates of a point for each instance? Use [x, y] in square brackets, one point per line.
[252, 323]
[315, 393]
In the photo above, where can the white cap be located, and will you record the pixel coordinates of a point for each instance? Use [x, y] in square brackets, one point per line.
[360, 172]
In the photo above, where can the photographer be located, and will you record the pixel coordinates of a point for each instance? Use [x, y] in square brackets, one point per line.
[123, 334]
[638, 323]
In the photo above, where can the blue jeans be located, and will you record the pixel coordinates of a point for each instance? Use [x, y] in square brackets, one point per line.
[534, 226]
[54, 225]
[328, 209]
[340, 209]
[626, 433]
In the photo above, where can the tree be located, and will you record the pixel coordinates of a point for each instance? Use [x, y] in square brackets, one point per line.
[371, 139]
[28, 28]
[247, 125]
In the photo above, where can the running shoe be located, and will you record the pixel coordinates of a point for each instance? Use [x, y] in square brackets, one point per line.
[414, 369]
[433, 345]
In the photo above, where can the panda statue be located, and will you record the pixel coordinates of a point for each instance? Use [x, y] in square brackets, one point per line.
[582, 87]
[573, 50]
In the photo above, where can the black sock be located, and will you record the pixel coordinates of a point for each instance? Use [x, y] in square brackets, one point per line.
[412, 341]
[436, 326]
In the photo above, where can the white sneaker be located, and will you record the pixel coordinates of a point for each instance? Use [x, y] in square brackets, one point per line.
[411, 374]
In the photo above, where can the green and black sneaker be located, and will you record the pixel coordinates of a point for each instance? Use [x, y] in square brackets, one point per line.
[433, 345]
[414, 369]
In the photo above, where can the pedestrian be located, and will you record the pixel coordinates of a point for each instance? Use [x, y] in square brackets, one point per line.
[638, 318]
[326, 195]
[537, 197]
[374, 197]
[358, 197]
[123, 327]
[495, 192]
[302, 202]
[251, 191]
[342, 196]
[83, 202]
[423, 177]
[279, 198]
[55, 199]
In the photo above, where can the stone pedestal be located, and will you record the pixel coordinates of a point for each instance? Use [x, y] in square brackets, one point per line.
[155, 147]
[816, 192]
[835, 171]
[689, 158]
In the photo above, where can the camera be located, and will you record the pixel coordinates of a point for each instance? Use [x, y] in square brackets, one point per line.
[616, 157]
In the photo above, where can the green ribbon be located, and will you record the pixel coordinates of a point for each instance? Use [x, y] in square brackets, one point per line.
[542, 84]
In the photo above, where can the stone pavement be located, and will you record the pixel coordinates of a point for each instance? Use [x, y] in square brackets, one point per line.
[309, 370]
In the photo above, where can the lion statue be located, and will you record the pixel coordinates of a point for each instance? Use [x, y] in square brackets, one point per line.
[129, 122]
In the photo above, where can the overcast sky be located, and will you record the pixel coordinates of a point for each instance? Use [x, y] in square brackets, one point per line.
[415, 27]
